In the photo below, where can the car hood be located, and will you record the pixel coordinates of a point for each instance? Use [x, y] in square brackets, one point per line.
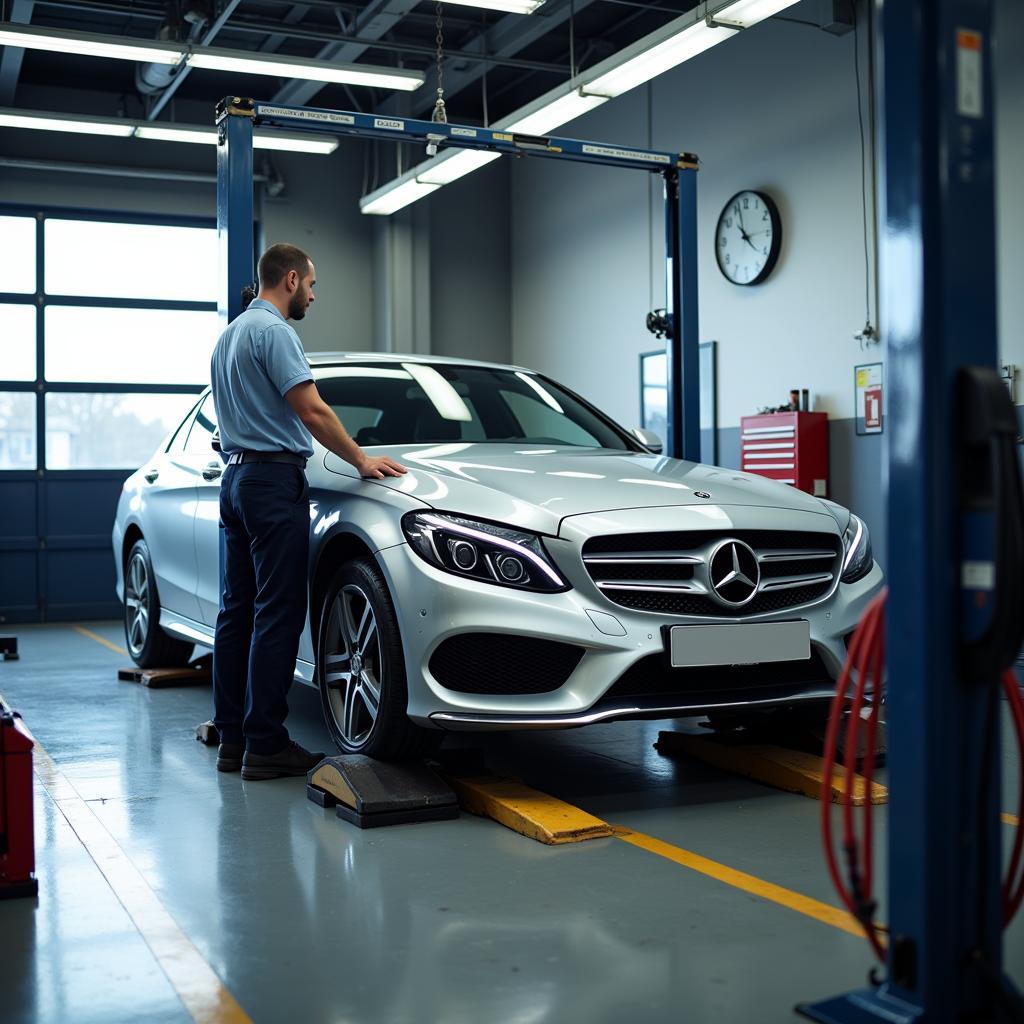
[536, 487]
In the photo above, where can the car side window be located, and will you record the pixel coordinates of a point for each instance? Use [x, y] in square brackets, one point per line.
[201, 434]
[177, 443]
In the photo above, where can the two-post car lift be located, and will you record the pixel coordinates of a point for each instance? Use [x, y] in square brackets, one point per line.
[236, 118]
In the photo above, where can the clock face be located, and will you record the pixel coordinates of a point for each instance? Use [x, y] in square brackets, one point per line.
[748, 238]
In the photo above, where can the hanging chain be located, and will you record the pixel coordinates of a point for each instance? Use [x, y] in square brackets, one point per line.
[440, 115]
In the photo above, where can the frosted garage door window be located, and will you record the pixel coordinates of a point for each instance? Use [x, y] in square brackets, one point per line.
[131, 261]
[18, 254]
[105, 431]
[111, 345]
[17, 342]
[17, 430]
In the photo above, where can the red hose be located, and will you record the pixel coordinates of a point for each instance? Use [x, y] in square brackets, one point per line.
[1013, 887]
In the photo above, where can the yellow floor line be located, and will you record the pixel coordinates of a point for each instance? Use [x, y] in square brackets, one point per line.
[100, 640]
[197, 985]
[1011, 819]
[740, 880]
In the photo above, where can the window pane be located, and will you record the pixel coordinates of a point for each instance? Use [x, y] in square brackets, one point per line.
[17, 254]
[105, 431]
[131, 261]
[17, 342]
[129, 346]
[17, 430]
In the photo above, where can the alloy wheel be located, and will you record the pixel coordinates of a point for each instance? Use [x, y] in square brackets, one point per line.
[137, 603]
[352, 665]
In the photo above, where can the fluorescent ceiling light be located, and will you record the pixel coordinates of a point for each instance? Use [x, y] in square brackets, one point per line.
[260, 140]
[207, 57]
[41, 121]
[88, 44]
[52, 123]
[556, 112]
[392, 198]
[750, 12]
[656, 61]
[512, 6]
[445, 169]
[300, 67]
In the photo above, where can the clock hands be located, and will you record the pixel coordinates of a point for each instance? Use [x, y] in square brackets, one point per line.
[743, 230]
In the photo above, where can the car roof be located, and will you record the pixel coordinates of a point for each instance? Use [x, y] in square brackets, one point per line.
[325, 360]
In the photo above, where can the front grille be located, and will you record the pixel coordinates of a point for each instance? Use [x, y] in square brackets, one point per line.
[668, 573]
[504, 664]
[654, 677]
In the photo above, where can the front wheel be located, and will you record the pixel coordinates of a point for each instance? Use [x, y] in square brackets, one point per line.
[361, 669]
[148, 645]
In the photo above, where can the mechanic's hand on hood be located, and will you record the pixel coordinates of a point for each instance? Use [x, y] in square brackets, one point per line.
[376, 468]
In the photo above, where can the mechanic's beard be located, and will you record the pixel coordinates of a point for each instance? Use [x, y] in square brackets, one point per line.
[297, 307]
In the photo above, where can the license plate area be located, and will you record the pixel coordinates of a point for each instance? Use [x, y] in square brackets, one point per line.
[738, 643]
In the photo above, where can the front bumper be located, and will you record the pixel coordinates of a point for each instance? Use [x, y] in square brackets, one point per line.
[433, 606]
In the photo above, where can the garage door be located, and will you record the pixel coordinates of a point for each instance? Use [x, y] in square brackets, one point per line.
[106, 328]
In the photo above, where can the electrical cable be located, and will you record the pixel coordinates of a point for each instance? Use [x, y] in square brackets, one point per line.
[1013, 888]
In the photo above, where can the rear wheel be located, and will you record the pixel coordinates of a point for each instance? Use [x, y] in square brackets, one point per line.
[148, 645]
[361, 669]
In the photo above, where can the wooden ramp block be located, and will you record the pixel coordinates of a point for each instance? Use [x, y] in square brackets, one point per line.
[527, 811]
[792, 770]
[196, 674]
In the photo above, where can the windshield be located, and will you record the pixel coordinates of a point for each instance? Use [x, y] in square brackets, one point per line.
[416, 403]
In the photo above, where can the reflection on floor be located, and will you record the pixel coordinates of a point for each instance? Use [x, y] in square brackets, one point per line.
[306, 919]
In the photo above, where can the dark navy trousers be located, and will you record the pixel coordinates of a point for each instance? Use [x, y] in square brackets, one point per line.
[264, 521]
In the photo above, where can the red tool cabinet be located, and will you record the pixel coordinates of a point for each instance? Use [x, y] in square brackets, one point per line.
[791, 447]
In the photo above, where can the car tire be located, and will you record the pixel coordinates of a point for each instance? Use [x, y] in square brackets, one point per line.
[361, 669]
[148, 645]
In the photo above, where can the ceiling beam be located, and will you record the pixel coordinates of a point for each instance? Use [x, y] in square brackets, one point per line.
[219, 22]
[10, 63]
[376, 19]
[505, 38]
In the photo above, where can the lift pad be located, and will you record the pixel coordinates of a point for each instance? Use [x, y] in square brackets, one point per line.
[8, 647]
[207, 734]
[527, 811]
[195, 674]
[792, 770]
[372, 793]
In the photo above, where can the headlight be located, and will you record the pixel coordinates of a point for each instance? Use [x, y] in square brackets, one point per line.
[859, 558]
[482, 551]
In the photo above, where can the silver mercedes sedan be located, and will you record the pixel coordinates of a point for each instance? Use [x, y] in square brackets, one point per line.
[538, 567]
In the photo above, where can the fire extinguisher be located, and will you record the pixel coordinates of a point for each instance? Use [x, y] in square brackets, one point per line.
[17, 844]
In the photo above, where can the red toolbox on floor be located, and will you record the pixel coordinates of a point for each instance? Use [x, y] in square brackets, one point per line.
[790, 447]
[17, 842]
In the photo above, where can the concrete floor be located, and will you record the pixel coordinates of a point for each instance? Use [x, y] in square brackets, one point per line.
[306, 919]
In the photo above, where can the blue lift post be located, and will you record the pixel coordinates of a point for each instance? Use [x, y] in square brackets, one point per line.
[938, 265]
[236, 118]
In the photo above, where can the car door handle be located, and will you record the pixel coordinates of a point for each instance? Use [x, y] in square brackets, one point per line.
[151, 476]
[212, 471]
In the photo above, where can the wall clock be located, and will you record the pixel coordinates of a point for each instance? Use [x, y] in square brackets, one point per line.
[748, 237]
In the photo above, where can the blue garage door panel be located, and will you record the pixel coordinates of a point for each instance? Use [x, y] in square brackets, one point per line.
[82, 507]
[80, 585]
[18, 513]
[19, 585]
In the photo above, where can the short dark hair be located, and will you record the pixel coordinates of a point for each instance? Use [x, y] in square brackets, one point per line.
[279, 260]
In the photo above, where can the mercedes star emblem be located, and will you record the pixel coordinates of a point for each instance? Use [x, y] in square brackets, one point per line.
[735, 573]
[701, 494]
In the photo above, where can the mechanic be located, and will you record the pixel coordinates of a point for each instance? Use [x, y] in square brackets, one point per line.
[267, 407]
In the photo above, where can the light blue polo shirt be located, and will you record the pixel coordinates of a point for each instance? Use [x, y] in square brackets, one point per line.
[256, 361]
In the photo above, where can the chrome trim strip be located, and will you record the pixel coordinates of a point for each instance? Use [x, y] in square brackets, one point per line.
[459, 720]
[793, 556]
[791, 582]
[185, 629]
[655, 559]
[680, 588]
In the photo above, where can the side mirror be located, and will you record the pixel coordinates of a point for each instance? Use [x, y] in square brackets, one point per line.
[649, 439]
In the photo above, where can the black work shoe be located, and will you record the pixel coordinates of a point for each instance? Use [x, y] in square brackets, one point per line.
[229, 757]
[293, 760]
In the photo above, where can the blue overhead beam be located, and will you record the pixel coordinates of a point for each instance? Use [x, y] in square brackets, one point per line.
[236, 118]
